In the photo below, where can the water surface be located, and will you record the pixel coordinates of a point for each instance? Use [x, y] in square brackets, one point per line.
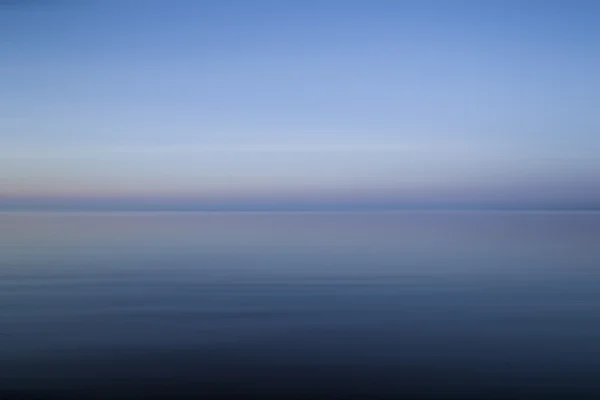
[300, 305]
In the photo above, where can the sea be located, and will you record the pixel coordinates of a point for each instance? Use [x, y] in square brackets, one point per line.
[300, 305]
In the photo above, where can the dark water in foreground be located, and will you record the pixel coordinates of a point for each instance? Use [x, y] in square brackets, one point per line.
[433, 305]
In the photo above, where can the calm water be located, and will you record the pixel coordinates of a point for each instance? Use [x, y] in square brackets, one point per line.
[300, 306]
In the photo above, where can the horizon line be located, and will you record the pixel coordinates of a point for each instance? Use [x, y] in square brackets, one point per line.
[364, 209]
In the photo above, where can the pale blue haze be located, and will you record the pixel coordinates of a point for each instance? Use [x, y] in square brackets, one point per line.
[327, 101]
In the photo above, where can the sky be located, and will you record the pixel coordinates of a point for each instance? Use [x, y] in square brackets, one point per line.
[299, 103]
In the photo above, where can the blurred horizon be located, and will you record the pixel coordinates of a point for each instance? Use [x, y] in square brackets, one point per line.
[235, 205]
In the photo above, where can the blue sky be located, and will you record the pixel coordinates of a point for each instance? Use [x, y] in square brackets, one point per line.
[293, 101]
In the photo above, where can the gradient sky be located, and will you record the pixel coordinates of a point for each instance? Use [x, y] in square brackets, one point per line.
[300, 100]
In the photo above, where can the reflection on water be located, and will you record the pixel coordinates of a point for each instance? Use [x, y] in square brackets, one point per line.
[311, 305]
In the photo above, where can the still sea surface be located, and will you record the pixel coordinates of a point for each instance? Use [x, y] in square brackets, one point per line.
[398, 305]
